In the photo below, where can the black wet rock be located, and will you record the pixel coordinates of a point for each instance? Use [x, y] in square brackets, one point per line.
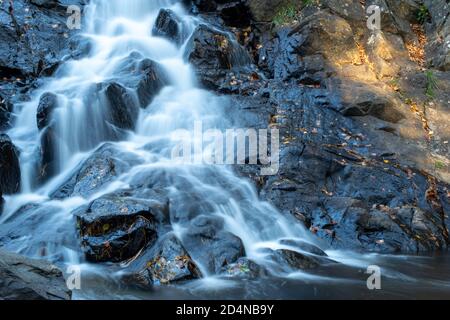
[118, 226]
[297, 260]
[2, 203]
[212, 246]
[205, 5]
[102, 167]
[33, 37]
[6, 108]
[10, 175]
[80, 47]
[214, 54]
[233, 13]
[143, 75]
[45, 3]
[122, 111]
[26, 279]
[245, 268]
[168, 25]
[165, 263]
[48, 161]
[303, 246]
[47, 104]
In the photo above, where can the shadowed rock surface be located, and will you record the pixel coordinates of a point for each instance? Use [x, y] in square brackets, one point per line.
[101, 167]
[168, 25]
[9, 166]
[26, 279]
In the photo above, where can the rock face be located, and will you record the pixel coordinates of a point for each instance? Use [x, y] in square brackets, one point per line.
[25, 279]
[9, 166]
[168, 25]
[438, 46]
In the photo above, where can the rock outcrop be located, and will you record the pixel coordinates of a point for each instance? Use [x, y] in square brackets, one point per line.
[26, 279]
[169, 25]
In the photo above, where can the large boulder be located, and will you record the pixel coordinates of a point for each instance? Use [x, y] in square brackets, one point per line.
[169, 25]
[118, 226]
[122, 112]
[26, 279]
[103, 166]
[143, 75]
[363, 100]
[167, 262]
[47, 104]
[214, 54]
[212, 246]
[10, 175]
[48, 162]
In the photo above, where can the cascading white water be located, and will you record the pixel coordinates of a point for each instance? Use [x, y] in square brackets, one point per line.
[117, 29]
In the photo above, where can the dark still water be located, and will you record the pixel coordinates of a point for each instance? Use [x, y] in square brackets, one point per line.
[402, 277]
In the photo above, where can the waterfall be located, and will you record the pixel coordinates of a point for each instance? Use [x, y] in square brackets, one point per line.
[117, 31]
